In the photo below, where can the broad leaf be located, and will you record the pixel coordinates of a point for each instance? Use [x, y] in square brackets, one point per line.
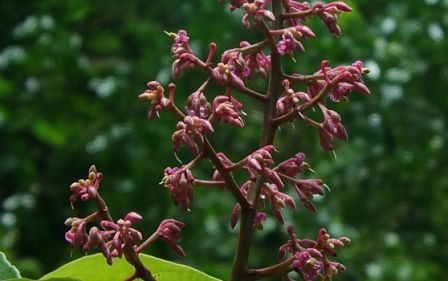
[50, 279]
[94, 267]
[7, 270]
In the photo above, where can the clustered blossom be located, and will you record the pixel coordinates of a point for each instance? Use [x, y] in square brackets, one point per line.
[189, 132]
[290, 36]
[290, 100]
[257, 10]
[224, 75]
[155, 93]
[259, 160]
[169, 230]
[123, 234]
[265, 183]
[197, 105]
[179, 182]
[331, 127]
[255, 62]
[227, 109]
[77, 235]
[86, 188]
[308, 263]
[112, 240]
[246, 60]
[182, 54]
[277, 199]
[309, 257]
[345, 79]
[329, 12]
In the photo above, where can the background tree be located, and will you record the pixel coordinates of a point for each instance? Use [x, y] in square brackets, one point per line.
[70, 73]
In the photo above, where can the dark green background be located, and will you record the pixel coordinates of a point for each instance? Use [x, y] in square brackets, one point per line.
[70, 73]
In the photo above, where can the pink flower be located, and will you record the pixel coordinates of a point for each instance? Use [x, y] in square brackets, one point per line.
[328, 244]
[332, 123]
[88, 188]
[228, 110]
[77, 234]
[180, 183]
[309, 263]
[98, 238]
[259, 160]
[190, 131]
[256, 10]
[290, 99]
[329, 12]
[290, 36]
[224, 75]
[180, 45]
[259, 219]
[169, 230]
[155, 94]
[292, 166]
[306, 189]
[277, 199]
[348, 78]
[123, 234]
[244, 64]
[182, 53]
[197, 105]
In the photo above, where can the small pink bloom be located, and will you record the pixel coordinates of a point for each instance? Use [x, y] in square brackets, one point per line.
[277, 199]
[309, 263]
[259, 160]
[328, 244]
[169, 230]
[155, 94]
[190, 131]
[180, 183]
[292, 166]
[77, 235]
[306, 189]
[290, 99]
[228, 110]
[197, 105]
[86, 188]
[332, 123]
[123, 234]
[224, 75]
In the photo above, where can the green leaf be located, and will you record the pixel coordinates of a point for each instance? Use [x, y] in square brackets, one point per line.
[50, 279]
[7, 270]
[94, 267]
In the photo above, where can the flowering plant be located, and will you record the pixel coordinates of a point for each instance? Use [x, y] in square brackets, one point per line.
[287, 97]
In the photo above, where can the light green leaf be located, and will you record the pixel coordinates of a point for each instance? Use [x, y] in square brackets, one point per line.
[94, 267]
[50, 279]
[7, 270]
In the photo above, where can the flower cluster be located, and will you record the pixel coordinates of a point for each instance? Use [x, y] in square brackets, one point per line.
[155, 93]
[228, 110]
[256, 180]
[341, 80]
[310, 257]
[179, 182]
[190, 131]
[115, 238]
[112, 241]
[86, 188]
[169, 231]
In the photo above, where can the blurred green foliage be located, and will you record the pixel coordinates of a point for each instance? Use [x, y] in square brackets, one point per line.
[70, 73]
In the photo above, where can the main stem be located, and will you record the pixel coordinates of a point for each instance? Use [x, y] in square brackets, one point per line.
[240, 269]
